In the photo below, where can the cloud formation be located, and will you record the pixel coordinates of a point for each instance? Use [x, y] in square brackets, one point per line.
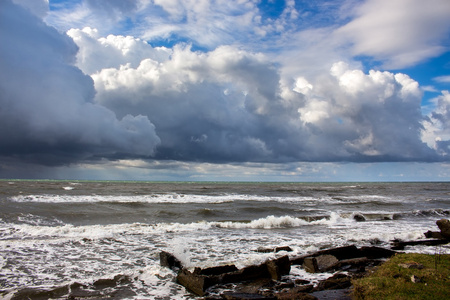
[261, 89]
[47, 111]
[400, 33]
[233, 105]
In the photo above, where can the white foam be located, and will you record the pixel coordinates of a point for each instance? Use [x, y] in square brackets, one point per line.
[166, 198]
[265, 223]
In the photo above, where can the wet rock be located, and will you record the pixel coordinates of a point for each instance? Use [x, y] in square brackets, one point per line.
[335, 282]
[374, 252]
[302, 289]
[255, 286]
[341, 294]
[344, 252]
[279, 267]
[168, 260]
[320, 263]
[245, 296]
[246, 274]
[104, 283]
[310, 265]
[31, 293]
[78, 290]
[301, 281]
[195, 283]
[400, 245]
[216, 270]
[276, 249]
[284, 248]
[359, 217]
[351, 263]
[444, 226]
[433, 235]
[294, 294]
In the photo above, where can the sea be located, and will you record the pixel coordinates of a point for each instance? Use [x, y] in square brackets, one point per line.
[57, 233]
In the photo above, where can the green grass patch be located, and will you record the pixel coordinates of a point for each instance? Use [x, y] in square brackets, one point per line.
[392, 281]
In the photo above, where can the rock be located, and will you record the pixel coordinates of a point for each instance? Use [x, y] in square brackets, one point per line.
[444, 226]
[335, 282]
[255, 286]
[399, 245]
[341, 294]
[78, 290]
[310, 265]
[433, 235]
[32, 293]
[320, 263]
[265, 250]
[277, 249]
[284, 248]
[245, 296]
[294, 293]
[217, 270]
[353, 262]
[301, 281]
[376, 252]
[195, 283]
[279, 267]
[170, 261]
[412, 265]
[247, 273]
[344, 252]
[326, 262]
[359, 217]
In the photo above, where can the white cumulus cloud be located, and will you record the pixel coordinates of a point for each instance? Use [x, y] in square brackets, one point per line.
[400, 33]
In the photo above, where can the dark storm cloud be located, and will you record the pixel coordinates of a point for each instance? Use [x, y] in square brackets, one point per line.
[47, 114]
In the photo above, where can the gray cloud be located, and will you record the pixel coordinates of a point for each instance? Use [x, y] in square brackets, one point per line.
[232, 105]
[87, 97]
[47, 112]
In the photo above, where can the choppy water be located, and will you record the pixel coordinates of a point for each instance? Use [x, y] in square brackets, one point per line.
[59, 232]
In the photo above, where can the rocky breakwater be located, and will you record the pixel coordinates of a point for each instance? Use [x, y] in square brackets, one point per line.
[268, 280]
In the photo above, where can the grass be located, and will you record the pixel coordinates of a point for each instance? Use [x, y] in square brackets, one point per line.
[391, 281]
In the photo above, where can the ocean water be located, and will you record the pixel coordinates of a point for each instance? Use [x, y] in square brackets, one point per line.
[54, 233]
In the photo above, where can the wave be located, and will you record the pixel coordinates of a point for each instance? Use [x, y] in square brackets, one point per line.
[102, 231]
[34, 226]
[194, 198]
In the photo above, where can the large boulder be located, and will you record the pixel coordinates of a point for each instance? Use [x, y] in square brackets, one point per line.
[433, 235]
[444, 226]
[218, 270]
[195, 283]
[320, 263]
[345, 252]
[335, 282]
[376, 252]
[279, 267]
[168, 260]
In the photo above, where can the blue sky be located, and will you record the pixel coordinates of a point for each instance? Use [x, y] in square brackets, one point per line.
[257, 90]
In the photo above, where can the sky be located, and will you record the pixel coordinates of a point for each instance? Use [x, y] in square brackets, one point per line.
[235, 90]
